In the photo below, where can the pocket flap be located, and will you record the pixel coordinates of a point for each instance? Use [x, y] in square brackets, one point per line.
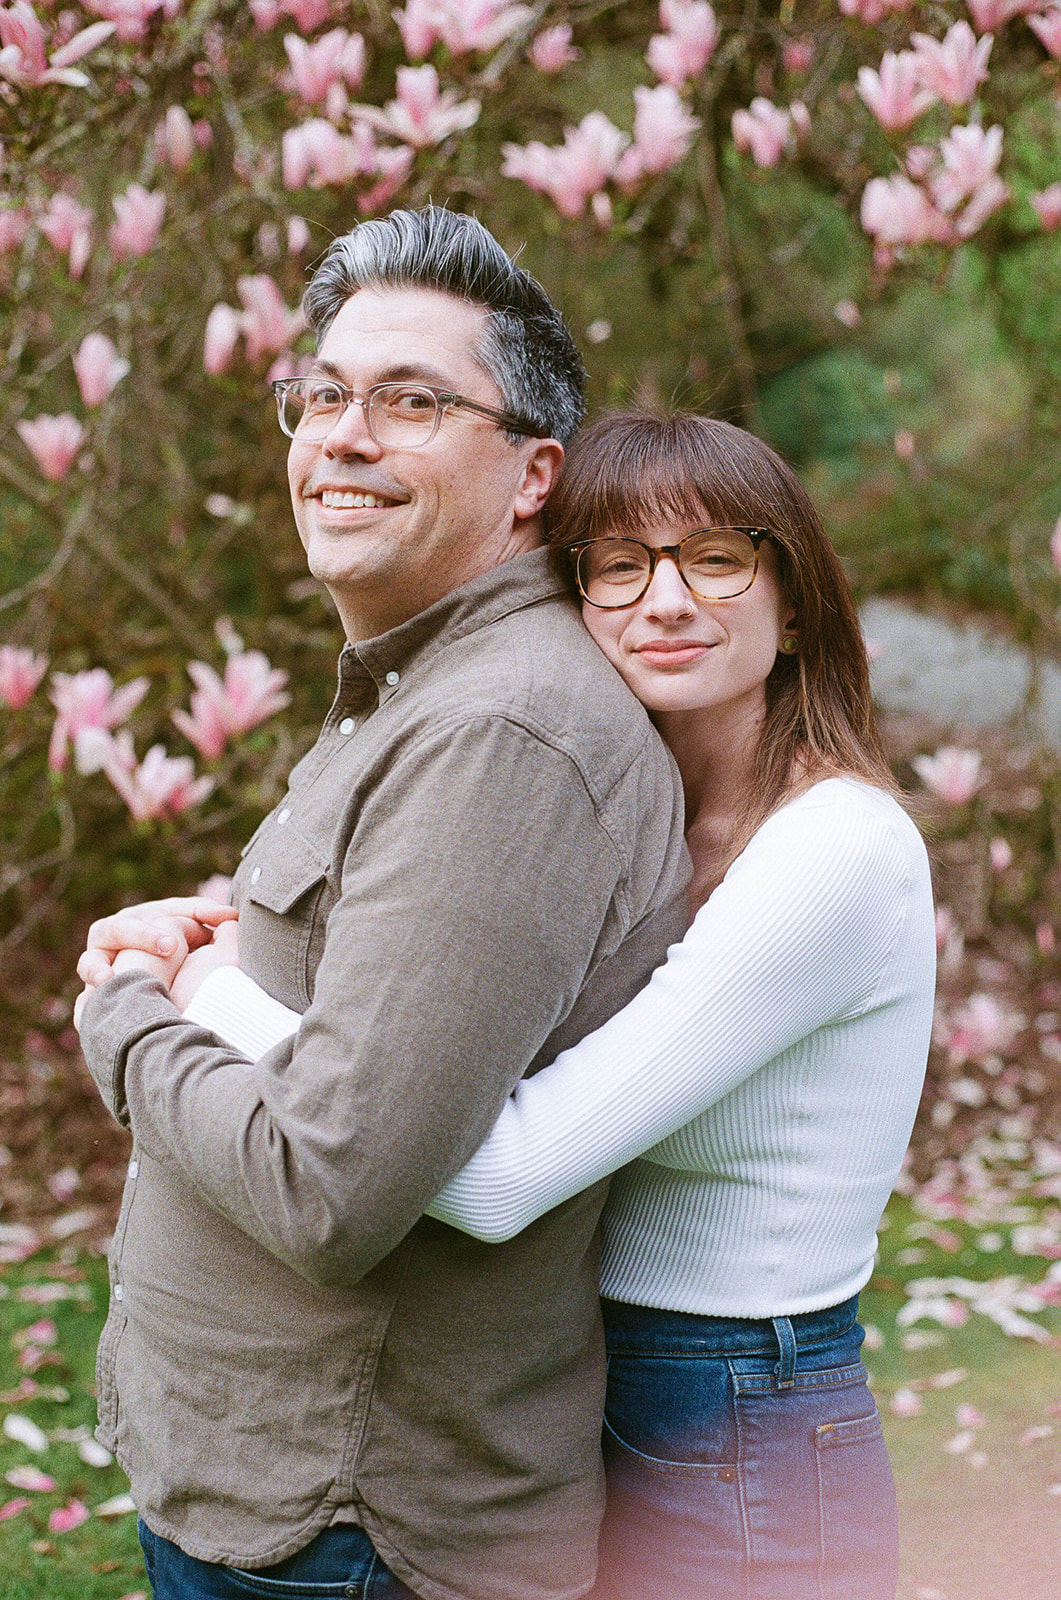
[284, 873]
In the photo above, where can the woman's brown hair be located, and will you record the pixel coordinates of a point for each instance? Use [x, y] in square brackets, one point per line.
[631, 469]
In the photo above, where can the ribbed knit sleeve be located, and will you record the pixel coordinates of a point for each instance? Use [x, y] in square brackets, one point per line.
[810, 933]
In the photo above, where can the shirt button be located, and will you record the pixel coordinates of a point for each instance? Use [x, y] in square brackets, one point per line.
[393, 678]
[256, 874]
[347, 725]
[134, 1169]
[282, 816]
[119, 1292]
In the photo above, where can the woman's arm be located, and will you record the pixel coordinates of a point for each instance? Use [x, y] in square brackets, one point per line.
[794, 938]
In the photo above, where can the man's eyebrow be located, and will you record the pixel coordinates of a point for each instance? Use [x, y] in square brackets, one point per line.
[417, 372]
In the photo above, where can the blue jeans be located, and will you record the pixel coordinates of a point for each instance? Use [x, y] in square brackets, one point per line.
[338, 1562]
[745, 1460]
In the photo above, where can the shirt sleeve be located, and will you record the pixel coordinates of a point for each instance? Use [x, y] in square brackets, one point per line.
[795, 938]
[438, 985]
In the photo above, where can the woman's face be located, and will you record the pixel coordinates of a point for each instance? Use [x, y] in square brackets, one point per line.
[680, 653]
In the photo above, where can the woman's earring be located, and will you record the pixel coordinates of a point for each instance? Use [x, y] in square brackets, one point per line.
[789, 644]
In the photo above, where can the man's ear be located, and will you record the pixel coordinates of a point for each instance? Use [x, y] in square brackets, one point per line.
[540, 473]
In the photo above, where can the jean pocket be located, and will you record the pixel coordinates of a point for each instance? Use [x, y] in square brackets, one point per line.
[857, 1512]
[673, 1413]
[238, 1583]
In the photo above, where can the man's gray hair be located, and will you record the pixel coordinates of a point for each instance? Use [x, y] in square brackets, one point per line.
[526, 348]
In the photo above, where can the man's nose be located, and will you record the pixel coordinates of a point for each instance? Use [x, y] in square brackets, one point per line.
[668, 596]
[350, 435]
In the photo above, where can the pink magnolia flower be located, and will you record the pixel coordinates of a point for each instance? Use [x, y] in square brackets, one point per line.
[422, 115]
[309, 14]
[798, 55]
[1000, 852]
[87, 700]
[391, 166]
[14, 226]
[131, 18]
[685, 49]
[764, 130]
[266, 13]
[982, 1027]
[952, 774]
[23, 60]
[970, 161]
[65, 1518]
[984, 201]
[569, 173]
[222, 709]
[67, 226]
[175, 140]
[1048, 29]
[139, 213]
[952, 68]
[316, 153]
[1055, 545]
[467, 25]
[552, 50]
[223, 328]
[267, 325]
[892, 94]
[663, 132]
[298, 236]
[54, 442]
[847, 312]
[1047, 203]
[419, 26]
[896, 212]
[20, 673]
[336, 57]
[1045, 938]
[161, 786]
[98, 368]
[990, 15]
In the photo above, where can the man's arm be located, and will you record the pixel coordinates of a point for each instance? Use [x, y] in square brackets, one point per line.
[470, 913]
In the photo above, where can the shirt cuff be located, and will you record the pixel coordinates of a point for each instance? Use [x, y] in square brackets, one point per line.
[247, 1019]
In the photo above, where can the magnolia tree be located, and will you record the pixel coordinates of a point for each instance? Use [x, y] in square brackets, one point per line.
[714, 195]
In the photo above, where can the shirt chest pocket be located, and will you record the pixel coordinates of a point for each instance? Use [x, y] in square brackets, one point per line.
[284, 902]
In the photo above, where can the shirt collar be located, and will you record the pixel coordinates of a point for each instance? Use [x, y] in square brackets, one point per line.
[526, 580]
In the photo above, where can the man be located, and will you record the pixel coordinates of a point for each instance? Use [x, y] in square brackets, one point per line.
[480, 859]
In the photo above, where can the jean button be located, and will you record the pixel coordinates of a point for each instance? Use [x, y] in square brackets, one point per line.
[728, 1475]
[351, 1591]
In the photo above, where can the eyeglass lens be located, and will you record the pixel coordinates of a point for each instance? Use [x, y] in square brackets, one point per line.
[395, 413]
[717, 564]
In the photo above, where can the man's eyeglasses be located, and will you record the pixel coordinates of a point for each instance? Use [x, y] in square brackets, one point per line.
[715, 563]
[397, 415]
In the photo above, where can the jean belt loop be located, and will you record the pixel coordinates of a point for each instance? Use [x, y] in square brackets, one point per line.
[786, 1344]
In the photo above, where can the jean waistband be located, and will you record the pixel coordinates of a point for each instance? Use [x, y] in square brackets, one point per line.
[646, 1329]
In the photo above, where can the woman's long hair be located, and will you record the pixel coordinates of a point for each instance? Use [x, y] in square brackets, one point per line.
[631, 469]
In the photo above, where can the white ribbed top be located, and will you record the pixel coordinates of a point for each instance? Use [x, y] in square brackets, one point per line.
[767, 1077]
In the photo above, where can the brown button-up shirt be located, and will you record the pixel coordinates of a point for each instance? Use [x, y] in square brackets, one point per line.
[479, 860]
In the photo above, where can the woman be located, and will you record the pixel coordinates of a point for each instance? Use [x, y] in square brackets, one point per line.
[759, 1092]
[769, 1074]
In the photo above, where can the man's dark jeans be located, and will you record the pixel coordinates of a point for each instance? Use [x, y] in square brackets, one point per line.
[340, 1562]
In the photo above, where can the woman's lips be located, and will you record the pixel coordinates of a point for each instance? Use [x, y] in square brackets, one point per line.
[672, 652]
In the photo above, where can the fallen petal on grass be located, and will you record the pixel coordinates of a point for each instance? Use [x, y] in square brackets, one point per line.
[23, 1431]
[94, 1454]
[64, 1519]
[11, 1508]
[905, 1403]
[31, 1478]
[118, 1506]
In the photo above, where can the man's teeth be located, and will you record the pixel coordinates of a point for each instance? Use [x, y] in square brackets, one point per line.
[333, 497]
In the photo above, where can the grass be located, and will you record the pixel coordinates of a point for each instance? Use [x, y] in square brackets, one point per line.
[978, 1524]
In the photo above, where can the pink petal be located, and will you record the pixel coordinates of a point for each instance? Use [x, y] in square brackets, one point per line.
[68, 1517]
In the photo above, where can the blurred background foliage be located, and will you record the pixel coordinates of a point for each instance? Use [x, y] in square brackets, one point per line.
[916, 393]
